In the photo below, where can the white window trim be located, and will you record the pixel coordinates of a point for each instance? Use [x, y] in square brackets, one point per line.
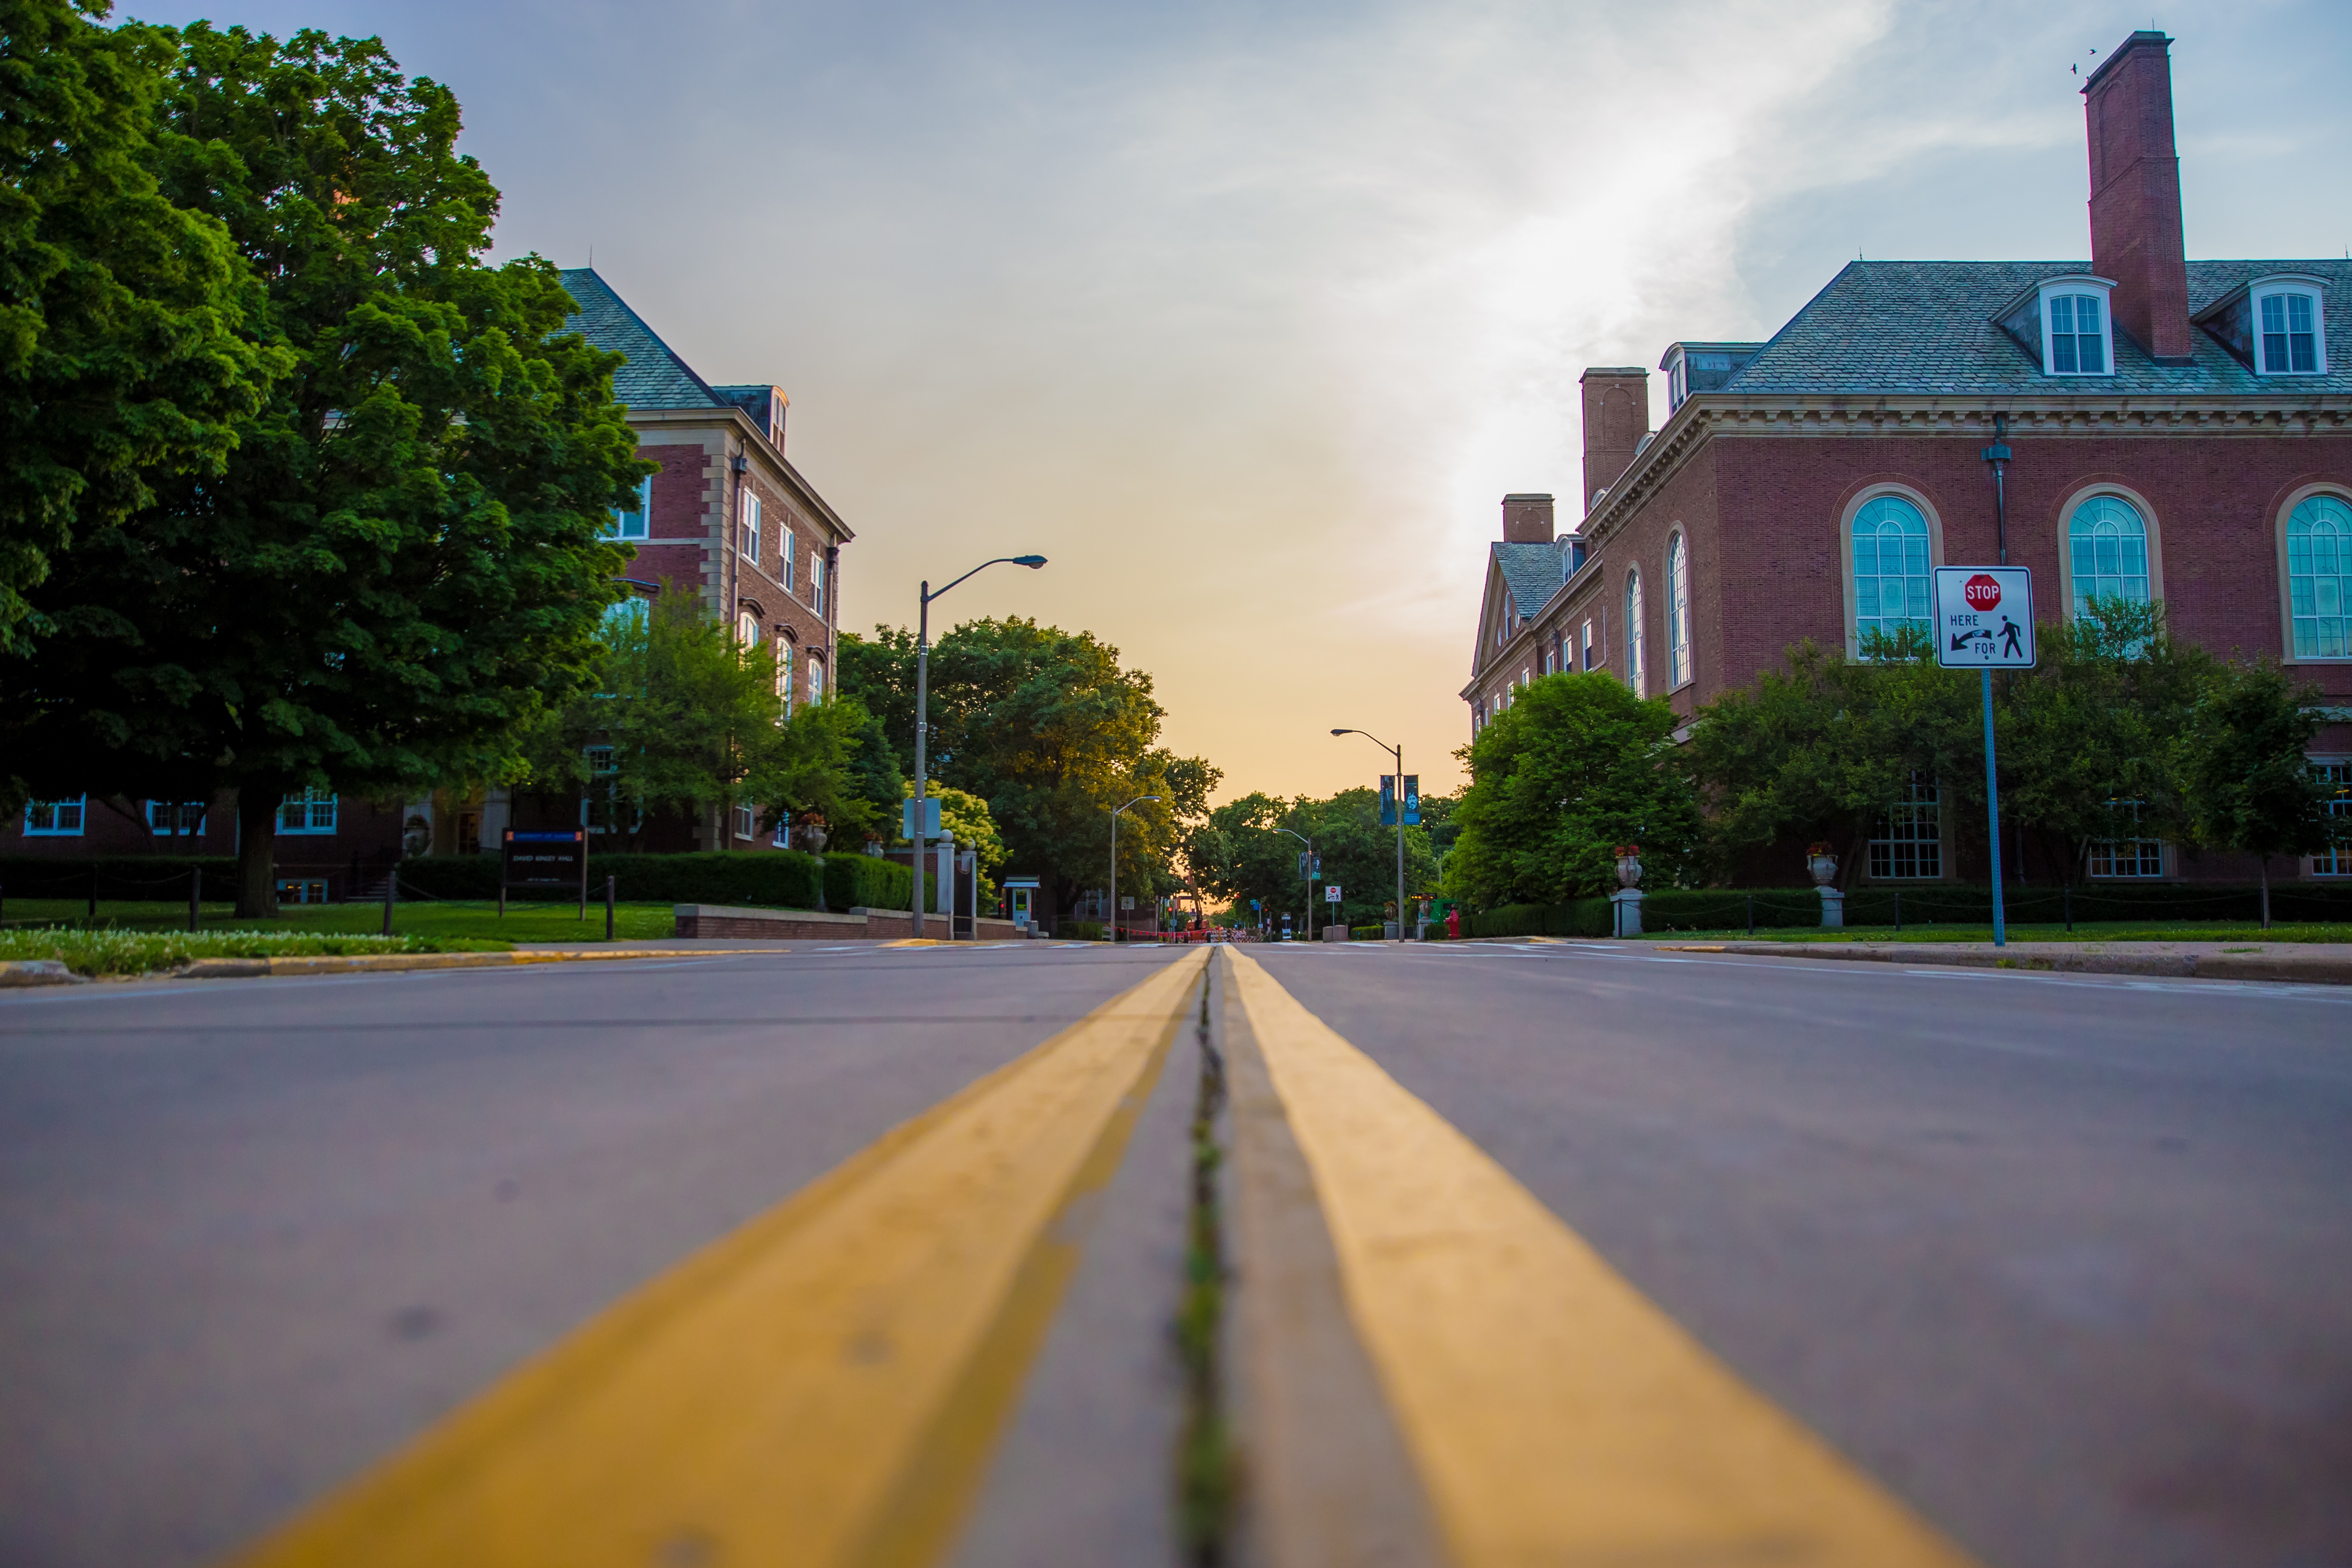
[2344, 853]
[785, 547]
[2084, 283]
[784, 673]
[2287, 283]
[173, 830]
[816, 583]
[1637, 612]
[747, 821]
[1679, 663]
[644, 514]
[1846, 515]
[310, 800]
[80, 803]
[2139, 503]
[749, 521]
[816, 679]
[747, 627]
[2286, 590]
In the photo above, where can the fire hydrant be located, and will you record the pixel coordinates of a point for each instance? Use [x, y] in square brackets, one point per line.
[1453, 925]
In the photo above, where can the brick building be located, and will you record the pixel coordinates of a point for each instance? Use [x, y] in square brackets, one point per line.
[726, 519]
[2179, 434]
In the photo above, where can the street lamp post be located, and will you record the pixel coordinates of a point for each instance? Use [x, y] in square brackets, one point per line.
[1309, 879]
[1398, 751]
[1138, 800]
[922, 717]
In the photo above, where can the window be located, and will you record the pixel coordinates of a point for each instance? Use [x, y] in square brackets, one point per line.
[1909, 842]
[816, 679]
[2078, 342]
[1890, 568]
[302, 889]
[600, 808]
[747, 627]
[2107, 548]
[2127, 857]
[816, 583]
[785, 547]
[1587, 636]
[750, 543]
[175, 818]
[2336, 859]
[629, 615]
[2289, 339]
[53, 818]
[1678, 659]
[311, 811]
[746, 821]
[2319, 576]
[784, 674]
[1633, 633]
[633, 522]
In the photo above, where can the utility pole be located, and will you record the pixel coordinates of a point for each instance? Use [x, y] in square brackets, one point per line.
[1398, 751]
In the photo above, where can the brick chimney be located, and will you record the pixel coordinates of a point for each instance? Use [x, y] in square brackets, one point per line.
[1526, 518]
[1616, 418]
[2136, 236]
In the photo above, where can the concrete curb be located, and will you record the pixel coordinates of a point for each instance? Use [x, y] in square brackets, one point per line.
[38, 971]
[2172, 965]
[392, 963]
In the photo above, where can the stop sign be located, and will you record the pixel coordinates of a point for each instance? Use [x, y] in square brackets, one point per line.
[1982, 592]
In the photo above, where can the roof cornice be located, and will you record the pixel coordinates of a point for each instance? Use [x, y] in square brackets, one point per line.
[748, 429]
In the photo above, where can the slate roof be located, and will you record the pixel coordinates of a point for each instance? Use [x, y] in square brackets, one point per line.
[654, 376]
[1926, 328]
[1532, 574]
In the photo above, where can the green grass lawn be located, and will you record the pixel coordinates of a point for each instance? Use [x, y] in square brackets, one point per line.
[2084, 930]
[467, 920]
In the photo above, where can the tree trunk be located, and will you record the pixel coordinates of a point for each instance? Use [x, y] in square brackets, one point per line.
[257, 851]
[2266, 892]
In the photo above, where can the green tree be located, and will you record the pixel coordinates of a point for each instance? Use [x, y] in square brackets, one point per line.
[404, 557]
[2246, 779]
[688, 719]
[964, 816]
[120, 352]
[1575, 766]
[1047, 728]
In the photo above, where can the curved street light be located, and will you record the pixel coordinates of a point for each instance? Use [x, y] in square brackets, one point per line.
[1398, 751]
[1138, 800]
[922, 724]
[1308, 935]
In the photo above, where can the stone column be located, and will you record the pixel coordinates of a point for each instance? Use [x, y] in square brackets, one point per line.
[1832, 908]
[1625, 908]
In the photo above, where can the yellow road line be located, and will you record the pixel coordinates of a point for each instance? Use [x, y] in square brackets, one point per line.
[1556, 1416]
[821, 1387]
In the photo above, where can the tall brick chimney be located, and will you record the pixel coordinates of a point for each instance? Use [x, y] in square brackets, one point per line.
[1526, 518]
[2136, 236]
[1616, 418]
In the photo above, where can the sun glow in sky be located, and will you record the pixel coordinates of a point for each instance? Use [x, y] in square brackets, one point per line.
[1249, 316]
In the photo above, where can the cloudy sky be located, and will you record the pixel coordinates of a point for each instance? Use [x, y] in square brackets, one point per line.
[1249, 315]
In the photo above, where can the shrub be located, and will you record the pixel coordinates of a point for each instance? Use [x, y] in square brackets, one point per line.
[1079, 931]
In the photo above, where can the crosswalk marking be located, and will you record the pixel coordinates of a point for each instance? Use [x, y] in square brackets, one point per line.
[1554, 1415]
[821, 1387]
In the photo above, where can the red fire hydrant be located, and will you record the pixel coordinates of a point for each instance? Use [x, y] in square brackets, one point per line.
[1453, 925]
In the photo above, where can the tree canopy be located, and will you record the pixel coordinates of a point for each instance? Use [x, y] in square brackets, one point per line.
[403, 556]
[1241, 851]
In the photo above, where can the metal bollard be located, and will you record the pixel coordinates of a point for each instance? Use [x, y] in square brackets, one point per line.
[2066, 897]
[1898, 912]
[391, 896]
[1751, 914]
[93, 895]
[195, 894]
[608, 908]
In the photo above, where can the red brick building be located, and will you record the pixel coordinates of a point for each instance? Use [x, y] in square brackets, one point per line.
[2180, 433]
[727, 518]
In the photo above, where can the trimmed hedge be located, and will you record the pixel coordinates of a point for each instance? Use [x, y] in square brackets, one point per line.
[783, 879]
[1726, 909]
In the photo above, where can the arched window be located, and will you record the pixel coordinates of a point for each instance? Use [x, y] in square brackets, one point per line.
[816, 679]
[1634, 672]
[1678, 659]
[2107, 553]
[747, 627]
[1890, 568]
[2319, 577]
[784, 674]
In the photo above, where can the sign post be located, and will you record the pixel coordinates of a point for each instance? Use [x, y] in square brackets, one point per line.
[1984, 618]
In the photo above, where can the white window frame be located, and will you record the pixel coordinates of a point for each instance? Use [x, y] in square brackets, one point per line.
[786, 547]
[2337, 861]
[2152, 553]
[747, 821]
[53, 817]
[1636, 674]
[2101, 288]
[1588, 643]
[2278, 289]
[1911, 830]
[816, 679]
[2287, 616]
[173, 822]
[751, 523]
[2112, 853]
[1678, 650]
[1853, 511]
[816, 583]
[784, 673]
[620, 528]
[317, 812]
[747, 627]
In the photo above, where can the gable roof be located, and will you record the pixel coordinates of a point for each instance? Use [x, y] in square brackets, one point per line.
[1926, 328]
[1532, 574]
[654, 376]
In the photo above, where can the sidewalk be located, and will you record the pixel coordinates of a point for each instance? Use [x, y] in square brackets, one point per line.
[2309, 963]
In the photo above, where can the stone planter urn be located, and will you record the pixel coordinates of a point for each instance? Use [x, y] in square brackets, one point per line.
[1822, 864]
[1629, 865]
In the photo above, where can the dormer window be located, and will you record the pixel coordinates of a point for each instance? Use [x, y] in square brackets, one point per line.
[2066, 324]
[2289, 342]
[2274, 326]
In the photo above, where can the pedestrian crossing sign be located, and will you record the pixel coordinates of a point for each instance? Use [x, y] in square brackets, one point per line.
[1984, 617]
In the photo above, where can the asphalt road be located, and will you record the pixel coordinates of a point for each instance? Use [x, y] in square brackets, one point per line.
[255, 1234]
[2065, 1261]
